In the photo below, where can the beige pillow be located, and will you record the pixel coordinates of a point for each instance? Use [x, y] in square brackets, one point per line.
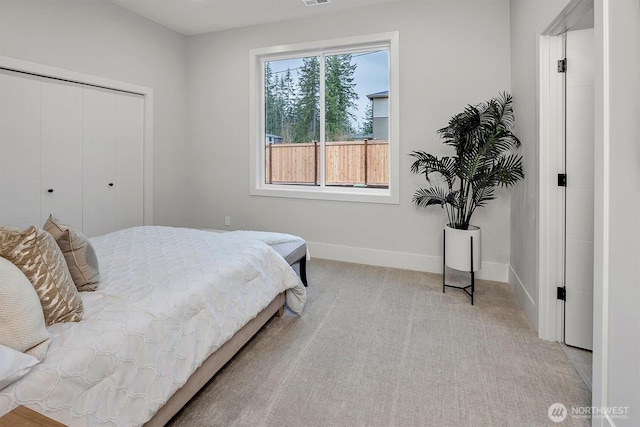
[21, 314]
[78, 252]
[36, 254]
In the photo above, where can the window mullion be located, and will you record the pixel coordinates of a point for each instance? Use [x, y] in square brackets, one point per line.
[322, 121]
[262, 118]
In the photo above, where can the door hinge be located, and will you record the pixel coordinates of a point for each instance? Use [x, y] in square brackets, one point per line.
[562, 180]
[562, 65]
[562, 293]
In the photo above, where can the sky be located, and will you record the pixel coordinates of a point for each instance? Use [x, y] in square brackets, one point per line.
[371, 76]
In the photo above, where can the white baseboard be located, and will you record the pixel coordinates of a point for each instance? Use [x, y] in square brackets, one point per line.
[433, 264]
[524, 298]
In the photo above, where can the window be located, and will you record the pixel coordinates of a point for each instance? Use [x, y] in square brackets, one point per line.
[324, 120]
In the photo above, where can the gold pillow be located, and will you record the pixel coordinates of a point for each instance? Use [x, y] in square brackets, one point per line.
[36, 254]
[21, 314]
[78, 252]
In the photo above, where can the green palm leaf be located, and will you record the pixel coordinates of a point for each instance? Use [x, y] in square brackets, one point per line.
[424, 197]
[484, 145]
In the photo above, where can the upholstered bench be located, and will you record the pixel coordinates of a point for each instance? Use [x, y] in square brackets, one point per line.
[294, 253]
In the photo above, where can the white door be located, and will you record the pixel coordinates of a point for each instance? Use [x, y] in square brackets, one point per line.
[578, 326]
[129, 160]
[99, 150]
[61, 152]
[19, 149]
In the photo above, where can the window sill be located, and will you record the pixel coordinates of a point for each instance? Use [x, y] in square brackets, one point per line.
[368, 195]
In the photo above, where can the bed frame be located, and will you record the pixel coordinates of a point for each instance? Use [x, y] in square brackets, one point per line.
[215, 362]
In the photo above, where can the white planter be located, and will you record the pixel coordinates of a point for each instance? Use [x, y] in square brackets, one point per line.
[457, 248]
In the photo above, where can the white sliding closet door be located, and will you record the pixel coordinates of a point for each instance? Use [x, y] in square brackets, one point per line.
[19, 150]
[61, 152]
[129, 160]
[99, 161]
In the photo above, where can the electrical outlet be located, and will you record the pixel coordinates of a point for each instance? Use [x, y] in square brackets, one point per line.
[227, 221]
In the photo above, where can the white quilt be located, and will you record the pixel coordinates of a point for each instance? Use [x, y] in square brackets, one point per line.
[168, 298]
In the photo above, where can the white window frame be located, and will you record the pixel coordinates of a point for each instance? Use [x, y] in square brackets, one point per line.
[257, 58]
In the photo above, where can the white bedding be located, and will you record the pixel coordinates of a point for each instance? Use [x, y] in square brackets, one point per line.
[168, 298]
[269, 237]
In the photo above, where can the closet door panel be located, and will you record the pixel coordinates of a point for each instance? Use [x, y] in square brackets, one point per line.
[99, 132]
[19, 150]
[20, 108]
[20, 193]
[61, 152]
[129, 160]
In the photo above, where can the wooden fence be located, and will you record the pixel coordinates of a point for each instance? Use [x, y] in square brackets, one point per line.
[347, 163]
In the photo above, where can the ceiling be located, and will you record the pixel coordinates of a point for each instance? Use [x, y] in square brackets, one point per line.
[191, 17]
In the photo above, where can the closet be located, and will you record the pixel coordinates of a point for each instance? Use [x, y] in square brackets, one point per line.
[71, 150]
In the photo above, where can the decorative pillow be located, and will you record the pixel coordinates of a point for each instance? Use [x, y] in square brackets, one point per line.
[78, 252]
[14, 365]
[21, 314]
[35, 252]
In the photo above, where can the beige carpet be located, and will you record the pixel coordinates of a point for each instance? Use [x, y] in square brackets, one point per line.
[385, 347]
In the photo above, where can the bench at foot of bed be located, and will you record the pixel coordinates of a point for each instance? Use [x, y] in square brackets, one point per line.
[294, 253]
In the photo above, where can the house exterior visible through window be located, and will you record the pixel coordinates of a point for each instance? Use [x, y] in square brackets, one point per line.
[379, 114]
[324, 120]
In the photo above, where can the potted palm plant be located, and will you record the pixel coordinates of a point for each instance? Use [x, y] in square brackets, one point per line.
[484, 159]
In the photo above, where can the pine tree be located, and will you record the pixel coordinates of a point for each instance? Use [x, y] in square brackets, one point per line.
[340, 96]
[307, 109]
[272, 109]
[287, 95]
[367, 119]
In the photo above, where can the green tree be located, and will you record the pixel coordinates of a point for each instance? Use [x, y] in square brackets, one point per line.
[273, 110]
[307, 109]
[287, 105]
[367, 119]
[340, 96]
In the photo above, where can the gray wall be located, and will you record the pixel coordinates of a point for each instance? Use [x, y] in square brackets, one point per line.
[444, 65]
[101, 39]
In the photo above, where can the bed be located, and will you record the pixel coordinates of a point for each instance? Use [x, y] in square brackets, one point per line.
[172, 307]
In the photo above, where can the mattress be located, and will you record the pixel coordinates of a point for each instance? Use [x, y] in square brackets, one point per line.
[169, 297]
